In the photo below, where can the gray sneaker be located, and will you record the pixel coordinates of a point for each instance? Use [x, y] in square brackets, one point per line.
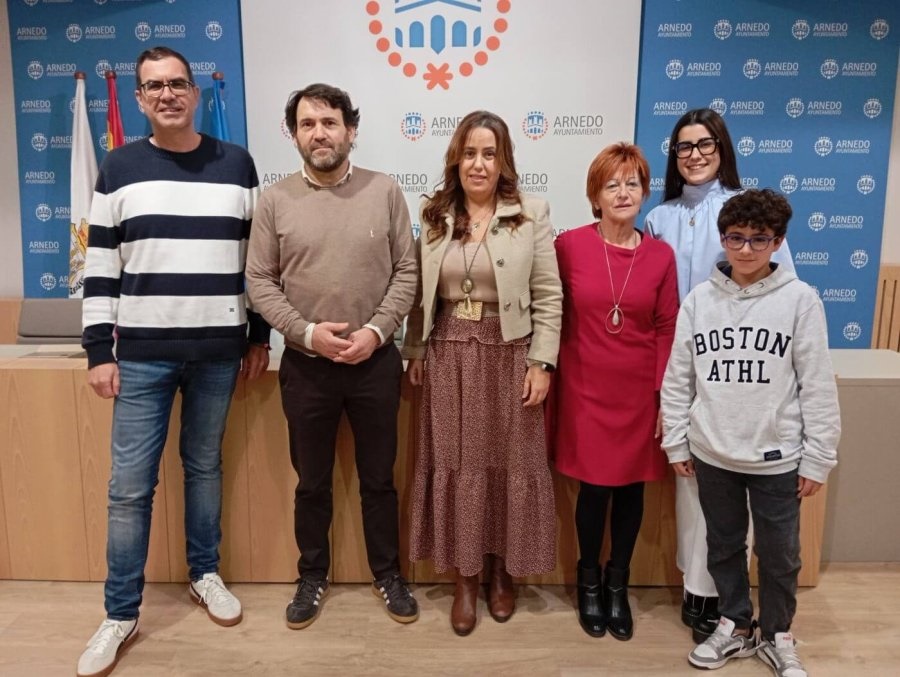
[106, 646]
[781, 656]
[721, 646]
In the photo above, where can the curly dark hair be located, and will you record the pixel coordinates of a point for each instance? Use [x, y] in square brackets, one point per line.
[334, 97]
[757, 209]
[449, 196]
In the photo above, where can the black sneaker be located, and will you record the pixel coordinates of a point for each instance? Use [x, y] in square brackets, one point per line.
[304, 608]
[399, 601]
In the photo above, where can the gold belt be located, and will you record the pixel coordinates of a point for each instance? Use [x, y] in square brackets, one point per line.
[474, 310]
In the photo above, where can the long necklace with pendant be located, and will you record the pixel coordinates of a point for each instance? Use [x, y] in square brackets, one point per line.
[467, 285]
[615, 318]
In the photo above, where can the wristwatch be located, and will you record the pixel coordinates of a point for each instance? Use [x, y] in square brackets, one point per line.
[546, 366]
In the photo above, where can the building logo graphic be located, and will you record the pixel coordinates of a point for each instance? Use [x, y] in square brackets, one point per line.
[829, 69]
[48, 281]
[800, 29]
[746, 145]
[872, 108]
[413, 126]
[535, 124]
[823, 146]
[719, 106]
[213, 30]
[143, 31]
[788, 184]
[437, 40]
[859, 258]
[722, 29]
[852, 331]
[794, 108]
[816, 221]
[674, 69]
[74, 33]
[879, 29]
[865, 184]
[752, 69]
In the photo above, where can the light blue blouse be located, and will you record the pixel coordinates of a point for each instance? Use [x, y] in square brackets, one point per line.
[697, 247]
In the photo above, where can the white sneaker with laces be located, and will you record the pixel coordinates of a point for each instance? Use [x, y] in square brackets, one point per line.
[723, 645]
[106, 646]
[781, 656]
[221, 606]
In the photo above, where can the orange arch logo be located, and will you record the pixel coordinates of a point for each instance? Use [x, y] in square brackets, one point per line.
[438, 41]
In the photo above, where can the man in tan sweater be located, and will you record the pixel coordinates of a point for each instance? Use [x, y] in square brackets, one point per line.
[331, 265]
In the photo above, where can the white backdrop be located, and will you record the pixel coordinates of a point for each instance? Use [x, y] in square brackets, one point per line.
[571, 64]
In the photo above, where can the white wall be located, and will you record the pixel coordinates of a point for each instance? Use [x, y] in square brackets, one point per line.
[890, 247]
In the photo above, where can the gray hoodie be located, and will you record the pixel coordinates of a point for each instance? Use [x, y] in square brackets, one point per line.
[749, 386]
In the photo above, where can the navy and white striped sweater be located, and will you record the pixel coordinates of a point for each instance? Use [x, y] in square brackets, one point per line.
[164, 273]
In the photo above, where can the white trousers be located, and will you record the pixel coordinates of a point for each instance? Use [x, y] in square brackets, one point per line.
[691, 527]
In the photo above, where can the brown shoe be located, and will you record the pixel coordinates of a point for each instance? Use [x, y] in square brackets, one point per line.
[501, 591]
[465, 602]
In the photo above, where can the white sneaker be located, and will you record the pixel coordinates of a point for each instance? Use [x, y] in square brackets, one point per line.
[723, 645]
[781, 656]
[221, 606]
[105, 647]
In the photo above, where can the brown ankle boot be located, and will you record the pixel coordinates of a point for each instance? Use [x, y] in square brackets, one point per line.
[465, 601]
[501, 591]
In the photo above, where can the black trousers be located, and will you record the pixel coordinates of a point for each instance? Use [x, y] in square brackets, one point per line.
[776, 532]
[314, 393]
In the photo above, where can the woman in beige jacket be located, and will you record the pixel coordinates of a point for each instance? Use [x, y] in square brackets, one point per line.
[483, 339]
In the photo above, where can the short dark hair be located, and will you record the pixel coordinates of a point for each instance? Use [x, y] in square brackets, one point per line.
[757, 209]
[728, 173]
[158, 54]
[612, 160]
[334, 97]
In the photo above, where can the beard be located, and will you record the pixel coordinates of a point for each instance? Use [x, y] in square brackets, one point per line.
[326, 163]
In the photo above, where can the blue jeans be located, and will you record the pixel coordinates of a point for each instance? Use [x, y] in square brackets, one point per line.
[140, 426]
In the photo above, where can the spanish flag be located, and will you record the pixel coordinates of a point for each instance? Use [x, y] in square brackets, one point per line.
[115, 134]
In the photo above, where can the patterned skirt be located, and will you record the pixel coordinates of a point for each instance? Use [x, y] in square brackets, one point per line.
[482, 483]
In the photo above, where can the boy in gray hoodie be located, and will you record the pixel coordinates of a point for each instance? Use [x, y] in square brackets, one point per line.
[750, 407]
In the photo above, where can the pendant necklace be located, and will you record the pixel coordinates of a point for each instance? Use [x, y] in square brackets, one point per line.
[615, 318]
[467, 285]
[694, 214]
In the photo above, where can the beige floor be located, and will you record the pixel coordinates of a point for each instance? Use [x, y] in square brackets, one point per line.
[849, 625]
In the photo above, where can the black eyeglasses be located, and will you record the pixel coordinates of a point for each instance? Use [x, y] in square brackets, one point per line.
[758, 243]
[706, 146]
[178, 87]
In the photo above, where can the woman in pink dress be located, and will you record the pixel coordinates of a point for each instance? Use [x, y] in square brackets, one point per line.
[619, 308]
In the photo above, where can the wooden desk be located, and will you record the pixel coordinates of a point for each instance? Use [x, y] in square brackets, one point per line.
[54, 469]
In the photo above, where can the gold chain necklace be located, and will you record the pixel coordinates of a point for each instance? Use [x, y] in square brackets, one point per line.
[615, 318]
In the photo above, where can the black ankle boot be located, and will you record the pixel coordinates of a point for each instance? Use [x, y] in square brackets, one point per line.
[590, 603]
[615, 602]
[708, 619]
[691, 608]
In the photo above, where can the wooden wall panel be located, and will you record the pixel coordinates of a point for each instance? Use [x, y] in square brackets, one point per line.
[273, 552]
[41, 475]
[9, 319]
[886, 326]
[54, 416]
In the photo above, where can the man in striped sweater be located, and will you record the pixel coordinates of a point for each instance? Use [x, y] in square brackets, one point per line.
[164, 287]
